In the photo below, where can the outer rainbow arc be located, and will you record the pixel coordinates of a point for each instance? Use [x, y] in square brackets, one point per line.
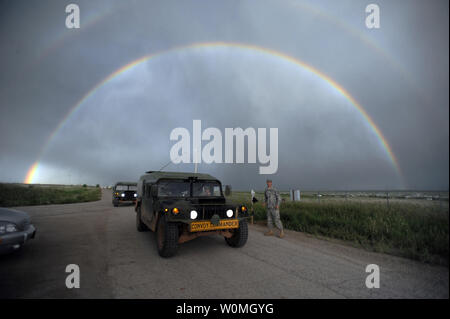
[33, 169]
[31, 173]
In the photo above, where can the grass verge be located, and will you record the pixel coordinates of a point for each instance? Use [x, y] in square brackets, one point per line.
[402, 229]
[25, 195]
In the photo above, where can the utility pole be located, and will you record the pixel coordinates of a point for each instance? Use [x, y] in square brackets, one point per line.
[387, 199]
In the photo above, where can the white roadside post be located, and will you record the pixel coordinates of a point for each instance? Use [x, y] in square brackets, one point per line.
[297, 195]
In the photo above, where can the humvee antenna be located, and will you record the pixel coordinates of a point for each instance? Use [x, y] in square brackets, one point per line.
[164, 166]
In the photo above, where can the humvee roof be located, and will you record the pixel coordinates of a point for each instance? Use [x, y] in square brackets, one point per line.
[154, 176]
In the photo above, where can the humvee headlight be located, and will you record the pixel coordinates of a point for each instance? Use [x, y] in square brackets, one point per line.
[230, 213]
[123, 194]
[175, 210]
[135, 195]
[194, 214]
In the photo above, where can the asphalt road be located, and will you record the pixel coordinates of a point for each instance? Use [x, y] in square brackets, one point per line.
[116, 261]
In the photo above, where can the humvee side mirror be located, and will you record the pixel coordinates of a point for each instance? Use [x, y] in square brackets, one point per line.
[154, 191]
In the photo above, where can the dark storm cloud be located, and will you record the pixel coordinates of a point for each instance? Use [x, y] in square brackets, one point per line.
[399, 74]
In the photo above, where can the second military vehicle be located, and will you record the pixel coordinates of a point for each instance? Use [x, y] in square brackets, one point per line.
[182, 206]
[124, 192]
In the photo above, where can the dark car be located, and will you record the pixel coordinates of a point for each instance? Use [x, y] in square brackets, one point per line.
[182, 206]
[124, 192]
[15, 229]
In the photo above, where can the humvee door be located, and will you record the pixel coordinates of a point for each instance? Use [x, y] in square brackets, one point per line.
[148, 213]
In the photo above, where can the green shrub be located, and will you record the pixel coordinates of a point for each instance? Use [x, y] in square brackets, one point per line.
[401, 229]
[20, 195]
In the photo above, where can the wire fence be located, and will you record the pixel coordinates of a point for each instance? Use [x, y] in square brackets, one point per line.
[426, 201]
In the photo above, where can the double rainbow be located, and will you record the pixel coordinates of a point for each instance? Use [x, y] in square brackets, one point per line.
[33, 169]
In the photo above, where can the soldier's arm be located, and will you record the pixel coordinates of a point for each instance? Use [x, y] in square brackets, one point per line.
[265, 198]
[278, 198]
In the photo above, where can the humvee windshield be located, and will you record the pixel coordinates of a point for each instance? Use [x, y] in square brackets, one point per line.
[126, 187]
[183, 189]
[174, 189]
[206, 188]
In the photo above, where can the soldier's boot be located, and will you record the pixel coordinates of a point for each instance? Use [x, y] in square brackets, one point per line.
[268, 233]
[281, 234]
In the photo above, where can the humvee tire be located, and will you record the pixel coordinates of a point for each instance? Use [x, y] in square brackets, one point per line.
[140, 226]
[116, 203]
[166, 237]
[240, 235]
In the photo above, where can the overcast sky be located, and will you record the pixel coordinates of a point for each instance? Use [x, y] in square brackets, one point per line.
[397, 73]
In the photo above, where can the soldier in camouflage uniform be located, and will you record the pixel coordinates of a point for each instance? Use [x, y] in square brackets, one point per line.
[272, 200]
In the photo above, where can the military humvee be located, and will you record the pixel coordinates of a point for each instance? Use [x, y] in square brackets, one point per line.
[179, 207]
[124, 192]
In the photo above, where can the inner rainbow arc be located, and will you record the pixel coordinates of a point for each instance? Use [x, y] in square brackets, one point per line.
[34, 168]
[31, 173]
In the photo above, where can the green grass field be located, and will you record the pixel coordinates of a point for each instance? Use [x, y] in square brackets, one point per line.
[25, 195]
[402, 228]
